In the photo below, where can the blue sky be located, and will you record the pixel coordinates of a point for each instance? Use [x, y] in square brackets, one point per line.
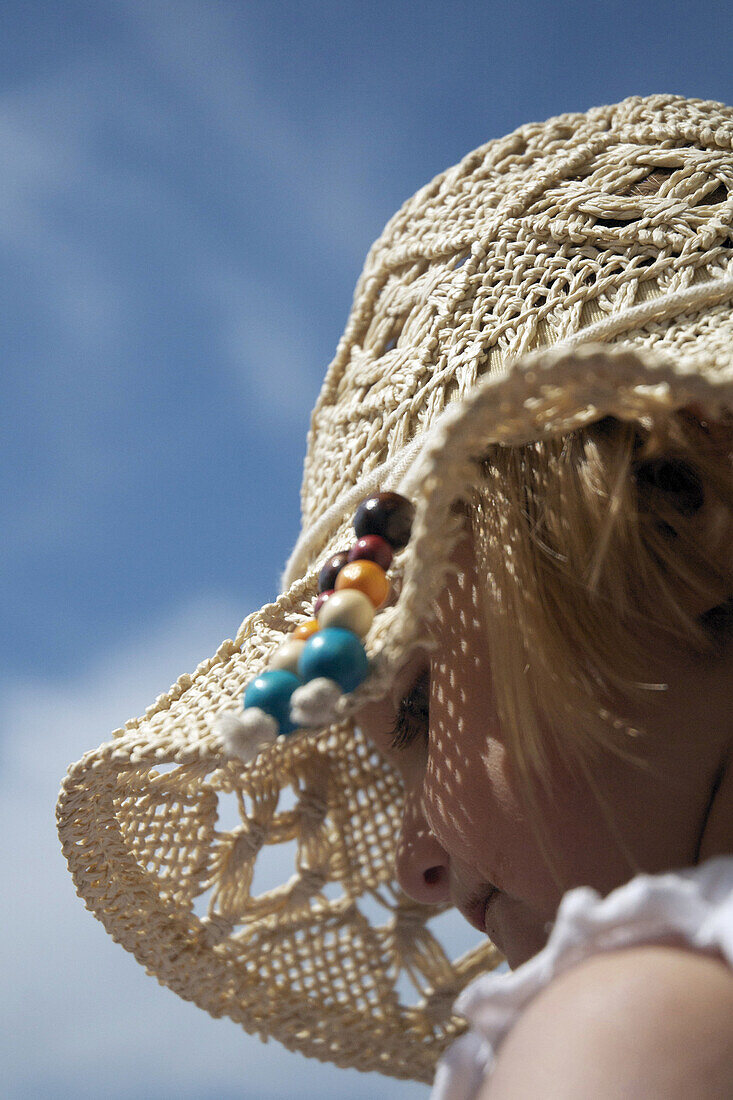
[187, 192]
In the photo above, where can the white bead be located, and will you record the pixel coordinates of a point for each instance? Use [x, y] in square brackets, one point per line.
[286, 655]
[244, 735]
[347, 608]
[313, 704]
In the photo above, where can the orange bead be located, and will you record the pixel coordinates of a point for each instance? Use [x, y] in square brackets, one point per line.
[304, 631]
[366, 577]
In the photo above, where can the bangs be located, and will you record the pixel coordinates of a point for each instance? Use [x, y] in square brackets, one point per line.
[584, 543]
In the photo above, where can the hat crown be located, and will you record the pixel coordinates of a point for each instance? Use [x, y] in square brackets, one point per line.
[528, 240]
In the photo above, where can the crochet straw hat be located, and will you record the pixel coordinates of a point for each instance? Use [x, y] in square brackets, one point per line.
[578, 268]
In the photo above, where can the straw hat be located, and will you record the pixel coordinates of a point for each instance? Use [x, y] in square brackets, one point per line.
[578, 268]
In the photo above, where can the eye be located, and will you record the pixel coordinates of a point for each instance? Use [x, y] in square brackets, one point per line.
[675, 480]
[413, 714]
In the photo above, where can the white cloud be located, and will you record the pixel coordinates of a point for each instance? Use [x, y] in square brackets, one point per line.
[266, 340]
[46, 137]
[66, 198]
[205, 49]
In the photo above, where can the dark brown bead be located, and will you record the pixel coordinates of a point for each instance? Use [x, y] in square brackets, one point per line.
[372, 548]
[388, 515]
[320, 600]
[330, 571]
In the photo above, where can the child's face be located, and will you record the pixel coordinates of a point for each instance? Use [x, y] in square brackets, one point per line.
[465, 824]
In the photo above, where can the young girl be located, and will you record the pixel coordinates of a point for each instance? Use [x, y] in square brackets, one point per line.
[499, 673]
[605, 807]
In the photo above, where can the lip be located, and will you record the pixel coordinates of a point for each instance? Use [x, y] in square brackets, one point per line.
[474, 910]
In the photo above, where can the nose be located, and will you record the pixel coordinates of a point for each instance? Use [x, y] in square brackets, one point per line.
[421, 864]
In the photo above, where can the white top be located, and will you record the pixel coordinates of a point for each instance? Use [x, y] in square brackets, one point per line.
[694, 904]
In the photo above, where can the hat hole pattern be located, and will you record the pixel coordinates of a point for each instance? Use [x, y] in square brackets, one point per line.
[333, 891]
[165, 801]
[399, 294]
[718, 196]
[164, 769]
[423, 940]
[650, 185]
[430, 990]
[275, 865]
[231, 809]
[350, 946]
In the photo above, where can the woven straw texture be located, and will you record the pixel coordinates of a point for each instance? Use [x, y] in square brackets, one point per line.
[606, 228]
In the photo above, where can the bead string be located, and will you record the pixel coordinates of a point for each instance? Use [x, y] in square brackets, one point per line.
[325, 657]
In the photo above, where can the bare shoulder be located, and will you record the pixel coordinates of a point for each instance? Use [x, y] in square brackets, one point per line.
[647, 1021]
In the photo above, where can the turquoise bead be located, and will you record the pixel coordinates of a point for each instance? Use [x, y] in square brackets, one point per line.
[271, 692]
[336, 654]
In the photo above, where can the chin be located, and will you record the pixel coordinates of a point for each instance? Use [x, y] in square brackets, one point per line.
[518, 954]
[518, 933]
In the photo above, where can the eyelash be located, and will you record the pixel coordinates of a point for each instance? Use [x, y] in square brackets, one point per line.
[412, 716]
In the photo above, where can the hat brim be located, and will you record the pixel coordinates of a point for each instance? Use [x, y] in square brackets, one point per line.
[145, 819]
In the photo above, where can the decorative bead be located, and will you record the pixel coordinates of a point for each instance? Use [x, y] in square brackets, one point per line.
[244, 735]
[367, 577]
[320, 600]
[349, 608]
[271, 692]
[335, 654]
[372, 548]
[304, 631]
[388, 515]
[314, 703]
[286, 656]
[331, 569]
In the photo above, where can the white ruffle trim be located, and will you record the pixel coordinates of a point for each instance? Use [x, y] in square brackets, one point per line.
[694, 904]
[245, 735]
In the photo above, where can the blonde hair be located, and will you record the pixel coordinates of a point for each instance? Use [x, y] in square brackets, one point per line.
[583, 539]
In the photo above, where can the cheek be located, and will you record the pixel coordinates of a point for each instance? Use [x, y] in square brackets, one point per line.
[468, 801]
[474, 804]
[473, 801]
